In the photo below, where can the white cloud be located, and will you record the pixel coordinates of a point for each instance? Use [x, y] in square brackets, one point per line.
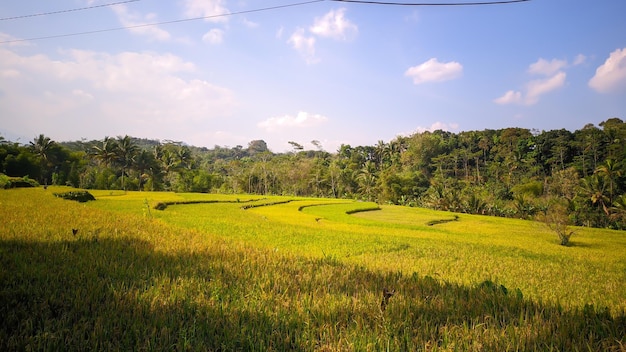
[510, 97]
[126, 71]
[279, 32]
[214, 36]
[547, 68]
[134, 19]
[81, 94]
[142, 94]
[539, 87]
[4, 37]
[334, 25]
[213, 9]
[579, 60]
[250, 24]
[433, 127]
[10, 73]
[444, 126]
[304, 45]
[610, 76]
[434, 71]
[301, 120]
[534, 90]
[554, 78]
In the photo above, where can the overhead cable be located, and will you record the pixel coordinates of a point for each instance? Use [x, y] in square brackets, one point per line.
[248, 11]
[160, 23]
[67, 10]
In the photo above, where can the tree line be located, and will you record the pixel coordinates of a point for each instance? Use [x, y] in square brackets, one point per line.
[511, 172]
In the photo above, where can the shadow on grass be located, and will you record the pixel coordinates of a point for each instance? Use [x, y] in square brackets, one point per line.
[120, 294]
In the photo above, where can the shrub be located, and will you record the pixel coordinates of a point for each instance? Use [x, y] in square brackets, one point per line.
[557, 220]
[4, 180]
[531, 188]
[7, 182]
[79, 196]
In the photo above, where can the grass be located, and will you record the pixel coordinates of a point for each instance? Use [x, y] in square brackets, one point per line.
[299, 275]
[518, 253]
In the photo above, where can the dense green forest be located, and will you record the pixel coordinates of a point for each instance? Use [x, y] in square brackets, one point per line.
[512, 172]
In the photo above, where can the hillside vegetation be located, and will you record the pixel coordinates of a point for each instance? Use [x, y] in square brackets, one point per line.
[243, 272]
[577, 178]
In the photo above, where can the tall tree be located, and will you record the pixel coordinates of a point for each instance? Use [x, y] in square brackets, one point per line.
[593, 187]
[106, 152]
[611, 172]
[125, 152]
[381, 154]
[366, 178]
[147, 168]
[41, 146]
[296, 146]
[615, 135]
[257, 146]
[589, 141]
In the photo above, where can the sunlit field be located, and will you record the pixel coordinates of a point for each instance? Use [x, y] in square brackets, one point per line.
[248, 272]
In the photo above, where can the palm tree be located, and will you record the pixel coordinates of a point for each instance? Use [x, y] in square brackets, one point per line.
[381, 153]
[395, 150]
[125, 152]
[593, 187]
[619, 208]
[41, 147]
[610, 170]
[475, 204]
[167, 164]
[437, 196]
[106, 153]
[367, 179]
[173, 158]
[145, 164]
[185, 157]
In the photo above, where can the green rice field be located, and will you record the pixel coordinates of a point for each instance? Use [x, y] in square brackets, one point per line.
[214, 272]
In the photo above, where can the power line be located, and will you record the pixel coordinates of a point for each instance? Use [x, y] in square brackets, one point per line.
[431, 3]
[240, 13]
[66, 11]
[160, 23]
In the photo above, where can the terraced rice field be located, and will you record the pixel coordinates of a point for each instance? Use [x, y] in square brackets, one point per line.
[246, 272]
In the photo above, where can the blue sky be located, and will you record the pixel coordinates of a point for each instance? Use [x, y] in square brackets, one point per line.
[329, 71]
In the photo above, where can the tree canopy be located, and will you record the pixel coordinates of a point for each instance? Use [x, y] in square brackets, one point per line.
[512, 172]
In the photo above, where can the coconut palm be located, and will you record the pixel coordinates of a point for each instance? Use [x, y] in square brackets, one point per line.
[381, 153]
[106, 153]
[366, 179]
[611, 171]
[145, 164]
[619, 204]
[41, 147]
[125, 154]
[593, 187]
[185, 157]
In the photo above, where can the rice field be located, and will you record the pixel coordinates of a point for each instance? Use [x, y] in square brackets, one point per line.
[254, 273]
